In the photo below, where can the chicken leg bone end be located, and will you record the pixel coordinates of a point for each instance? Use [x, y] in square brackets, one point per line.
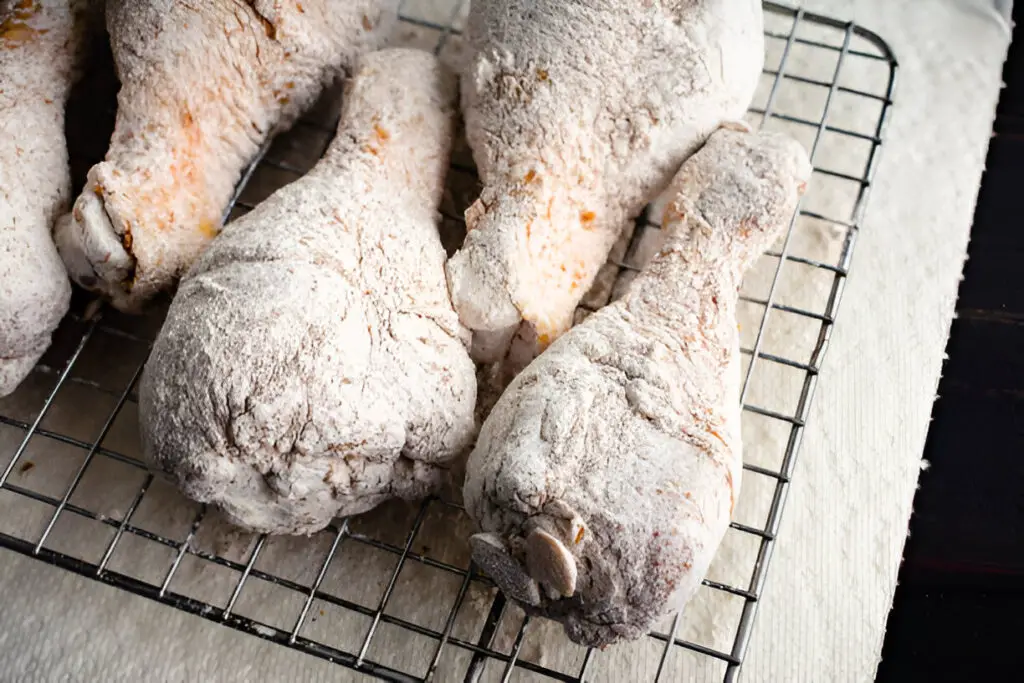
[494, 558]
[482, 303]
[737, 125]
[550, 563]
[93, 250]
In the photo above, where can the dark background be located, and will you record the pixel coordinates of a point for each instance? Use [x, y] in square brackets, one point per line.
[959, 608]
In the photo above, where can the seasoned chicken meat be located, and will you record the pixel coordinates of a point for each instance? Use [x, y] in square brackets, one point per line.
[578, 113]
[203, 86]
[605, 477]
[43, 44]
[312, 364]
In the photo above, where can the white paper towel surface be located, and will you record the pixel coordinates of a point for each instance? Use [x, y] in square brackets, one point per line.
[831, 581]
[834, 570]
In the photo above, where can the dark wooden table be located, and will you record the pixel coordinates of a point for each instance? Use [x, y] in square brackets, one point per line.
[959, 608]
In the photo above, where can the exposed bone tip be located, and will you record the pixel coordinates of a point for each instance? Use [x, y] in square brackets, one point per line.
[486, 542]
[490, 553]
[550, 563]
[570, 519]
[92, 250]
[737, 125]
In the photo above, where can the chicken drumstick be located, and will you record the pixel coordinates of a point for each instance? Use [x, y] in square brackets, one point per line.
[42, 46]
[312, 364]
[203, 85]
[578, 113]
[605, 477]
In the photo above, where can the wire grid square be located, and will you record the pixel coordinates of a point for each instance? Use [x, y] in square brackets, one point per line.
[393, 593]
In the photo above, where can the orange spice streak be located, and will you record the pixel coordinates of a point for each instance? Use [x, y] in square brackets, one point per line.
[207, 228]
[732, 499]
[15, 29]
[156, 201]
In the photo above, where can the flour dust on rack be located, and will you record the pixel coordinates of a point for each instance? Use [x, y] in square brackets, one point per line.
[393, 593]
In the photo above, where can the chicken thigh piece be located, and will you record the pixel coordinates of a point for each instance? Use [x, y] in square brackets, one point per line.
[604, 478]
[312, 364]
[203, 86]
[578, 113]
[42, 47]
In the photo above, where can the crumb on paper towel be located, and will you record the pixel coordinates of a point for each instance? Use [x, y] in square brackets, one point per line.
[265, 631]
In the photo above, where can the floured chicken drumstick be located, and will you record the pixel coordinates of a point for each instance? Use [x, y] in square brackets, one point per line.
[578, 113]
[312, 364]
[605, 477]
[203, 85]
[42, 46]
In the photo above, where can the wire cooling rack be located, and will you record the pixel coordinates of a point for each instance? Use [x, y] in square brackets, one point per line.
[393, 593]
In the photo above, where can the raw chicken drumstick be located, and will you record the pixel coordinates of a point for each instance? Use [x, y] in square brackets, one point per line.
[605, 476]
[312, 364]
[203, 85]
[42, 47]
[578, 113]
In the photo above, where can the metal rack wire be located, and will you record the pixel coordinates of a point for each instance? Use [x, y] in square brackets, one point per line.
[98, 357]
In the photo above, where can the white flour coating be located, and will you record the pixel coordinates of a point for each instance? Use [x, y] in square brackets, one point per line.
[578, 113]
[203, 85]
[42, 44]
[312, 364]
[605, 477]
